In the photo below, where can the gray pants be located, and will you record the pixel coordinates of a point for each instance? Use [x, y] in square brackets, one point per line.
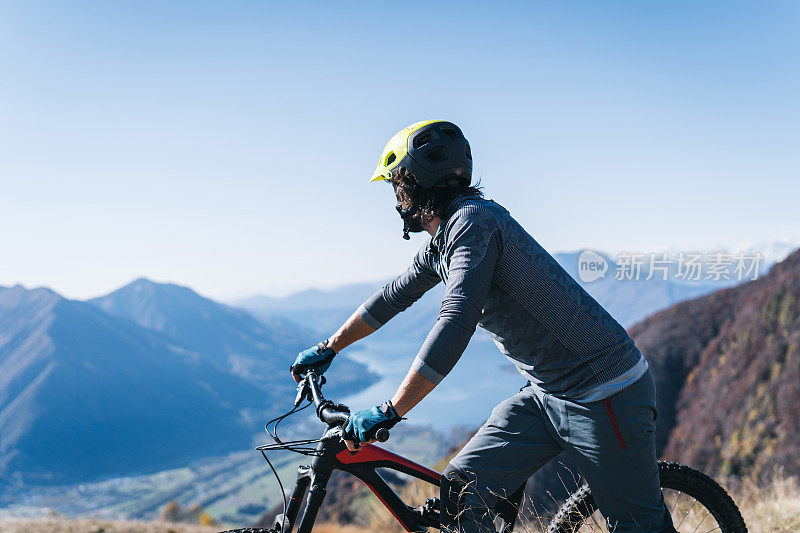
[612, 442]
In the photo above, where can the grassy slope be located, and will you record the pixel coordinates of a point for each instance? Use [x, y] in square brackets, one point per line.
[62, 525]
[774, 508]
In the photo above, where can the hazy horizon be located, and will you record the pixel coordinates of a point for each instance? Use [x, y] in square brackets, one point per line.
[774, 251]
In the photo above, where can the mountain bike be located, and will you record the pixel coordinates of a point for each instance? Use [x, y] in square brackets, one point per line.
[696, 502]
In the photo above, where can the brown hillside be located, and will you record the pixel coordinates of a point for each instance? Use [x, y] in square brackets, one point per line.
[727, 369]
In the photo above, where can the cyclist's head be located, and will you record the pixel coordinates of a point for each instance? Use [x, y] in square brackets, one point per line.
[429, 163]
[418, 205]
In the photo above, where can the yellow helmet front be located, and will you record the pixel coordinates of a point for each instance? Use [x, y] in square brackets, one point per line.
[431, 149]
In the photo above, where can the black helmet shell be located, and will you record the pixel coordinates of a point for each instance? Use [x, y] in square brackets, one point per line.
[435, 152]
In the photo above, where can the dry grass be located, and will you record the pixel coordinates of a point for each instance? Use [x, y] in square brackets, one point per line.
[770, 508]
[337, 528]
[774, 508]
[63, 525]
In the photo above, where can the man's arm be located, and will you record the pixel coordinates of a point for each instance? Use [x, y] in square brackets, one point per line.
[352, 330]
[395, 297]
[355, 328]
[371, 315]
[392, 299]
[403, 291]
[411, 391]
[472, 254]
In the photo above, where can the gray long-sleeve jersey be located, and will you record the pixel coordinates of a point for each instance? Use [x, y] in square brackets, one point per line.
[498, 276]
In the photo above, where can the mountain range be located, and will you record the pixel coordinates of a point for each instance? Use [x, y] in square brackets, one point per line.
[230, 339]
[139, 380]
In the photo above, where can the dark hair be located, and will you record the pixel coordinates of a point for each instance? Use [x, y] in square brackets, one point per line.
[430, 203]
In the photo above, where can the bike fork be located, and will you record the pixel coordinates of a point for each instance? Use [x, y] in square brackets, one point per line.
[295, 500]
[318, 476]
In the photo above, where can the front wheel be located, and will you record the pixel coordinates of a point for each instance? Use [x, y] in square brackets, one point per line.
[250, 530]
[696, 502]
[281, 524]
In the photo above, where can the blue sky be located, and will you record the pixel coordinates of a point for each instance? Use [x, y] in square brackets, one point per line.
[227, 145]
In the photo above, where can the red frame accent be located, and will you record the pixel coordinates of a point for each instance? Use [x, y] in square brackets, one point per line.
[370, 453]
[375, 492]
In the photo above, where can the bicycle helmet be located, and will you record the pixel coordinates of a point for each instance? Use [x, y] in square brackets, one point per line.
[435, 151]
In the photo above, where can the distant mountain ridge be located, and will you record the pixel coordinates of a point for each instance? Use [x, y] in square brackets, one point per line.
[229, 338]
[316, 309]
[83, 394]
[142, 379]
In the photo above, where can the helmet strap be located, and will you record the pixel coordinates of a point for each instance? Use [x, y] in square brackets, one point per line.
[406, 229]
[409, 225]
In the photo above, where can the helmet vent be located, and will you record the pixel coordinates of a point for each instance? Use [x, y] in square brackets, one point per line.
[469, 152]
[450, 132]
[422, 140]
[390, 159]
[437, 155]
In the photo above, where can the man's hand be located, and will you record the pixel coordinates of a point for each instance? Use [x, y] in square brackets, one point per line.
[317, 358]
[362, 426]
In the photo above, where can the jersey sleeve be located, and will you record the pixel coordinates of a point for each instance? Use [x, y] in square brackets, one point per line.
[403, 291]
[472, 249]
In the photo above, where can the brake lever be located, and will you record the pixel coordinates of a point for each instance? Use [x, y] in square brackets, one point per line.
[302, 392]
[334, 433]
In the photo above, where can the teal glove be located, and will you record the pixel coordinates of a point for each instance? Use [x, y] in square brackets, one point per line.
[362, 426]
[317, 358]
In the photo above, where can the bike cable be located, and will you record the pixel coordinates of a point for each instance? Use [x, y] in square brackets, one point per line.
[280, 485]
[298, 446]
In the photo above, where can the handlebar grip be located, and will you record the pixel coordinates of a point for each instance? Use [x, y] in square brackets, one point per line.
[382, 435]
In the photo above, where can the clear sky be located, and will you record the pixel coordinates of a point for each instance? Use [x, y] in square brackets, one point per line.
[227, 145]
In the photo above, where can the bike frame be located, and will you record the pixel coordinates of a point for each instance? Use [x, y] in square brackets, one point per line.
[333, 455]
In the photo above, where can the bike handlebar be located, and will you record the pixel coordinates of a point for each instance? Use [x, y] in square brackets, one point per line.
[327, 411]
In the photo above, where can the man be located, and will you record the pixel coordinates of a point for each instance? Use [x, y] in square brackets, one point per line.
[590, 392]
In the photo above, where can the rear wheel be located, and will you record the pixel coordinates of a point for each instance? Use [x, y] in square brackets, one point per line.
[696, 502]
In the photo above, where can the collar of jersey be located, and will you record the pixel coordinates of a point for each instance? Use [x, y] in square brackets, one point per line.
[437, 241]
